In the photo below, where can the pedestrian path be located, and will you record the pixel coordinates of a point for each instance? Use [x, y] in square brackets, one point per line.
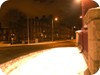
[55, 61]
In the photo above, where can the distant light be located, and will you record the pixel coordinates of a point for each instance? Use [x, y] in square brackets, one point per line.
[74, 26]
[81, 17]
[56, 19]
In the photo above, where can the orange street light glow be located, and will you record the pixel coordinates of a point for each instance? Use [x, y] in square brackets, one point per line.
[56, 19]
[78, 0]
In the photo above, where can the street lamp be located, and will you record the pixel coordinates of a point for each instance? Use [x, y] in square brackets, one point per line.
[55, 19]
[78, 1]
[82, 8]
[28, 30]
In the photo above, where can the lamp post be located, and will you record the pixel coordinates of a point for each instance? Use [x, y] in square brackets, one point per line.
[73, 31]
[28, 30]
[82, 12]
[82, 9]
[55, 19]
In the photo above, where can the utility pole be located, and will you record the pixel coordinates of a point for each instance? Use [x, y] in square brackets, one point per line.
[28, 30]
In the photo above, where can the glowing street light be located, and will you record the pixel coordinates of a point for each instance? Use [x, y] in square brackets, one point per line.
[78, 1]
[82, 5]
[55, 19]
[82, 8]
[81, 17]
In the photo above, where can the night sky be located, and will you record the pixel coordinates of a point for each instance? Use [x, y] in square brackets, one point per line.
[39, 7]
[68, 10]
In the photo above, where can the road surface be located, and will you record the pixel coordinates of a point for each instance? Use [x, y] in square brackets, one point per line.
[8, 53]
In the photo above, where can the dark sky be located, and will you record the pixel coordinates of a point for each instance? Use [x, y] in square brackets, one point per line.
[63, 9]
[60, 8]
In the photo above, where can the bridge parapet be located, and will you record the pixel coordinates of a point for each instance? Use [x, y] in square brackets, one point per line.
[92, 20]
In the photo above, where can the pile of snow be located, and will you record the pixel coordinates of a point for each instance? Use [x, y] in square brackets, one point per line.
[1, 72]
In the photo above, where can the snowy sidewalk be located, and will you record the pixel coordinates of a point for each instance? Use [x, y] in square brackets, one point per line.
[55, 61]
